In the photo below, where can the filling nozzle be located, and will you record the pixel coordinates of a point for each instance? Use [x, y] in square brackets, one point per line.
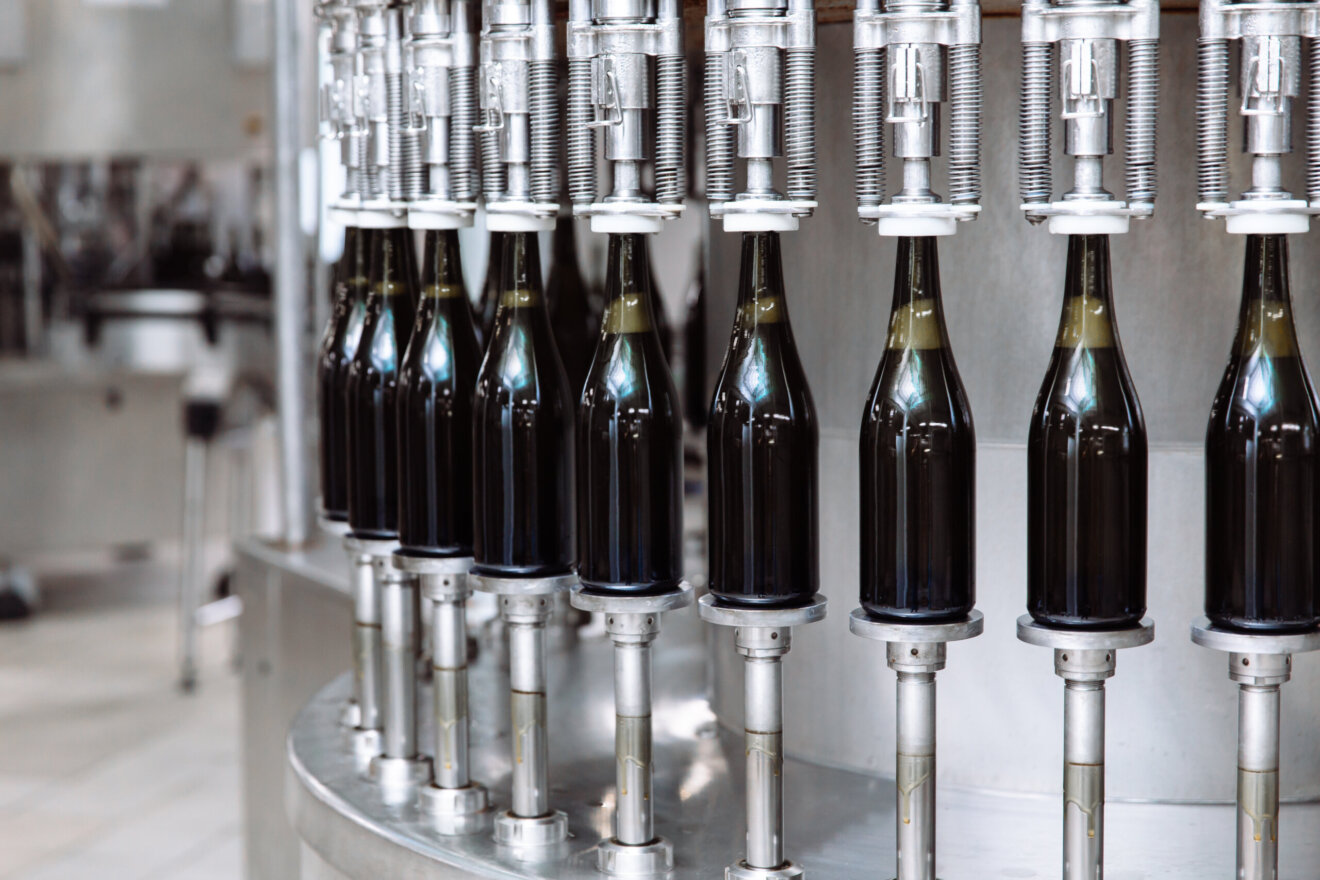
[626, 79]
[442, 109]
[912, 57]
[1269, 82]
[1079, 43]
[519, 121]
[760, 107]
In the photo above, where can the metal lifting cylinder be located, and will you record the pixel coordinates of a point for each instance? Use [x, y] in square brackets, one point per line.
[761, 105]
[616, 50]
[1271, 34]
[519, 115]
[909, 57]
[1079, 42]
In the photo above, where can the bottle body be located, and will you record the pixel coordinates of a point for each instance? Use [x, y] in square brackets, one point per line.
[762, 445]
[918, 461]
[522, 433]
[436, 386]
[1086, 471]
[338, 345]
[570, 308]
[629, 442]
[1263, 464]
[373, 381]
[491, 291]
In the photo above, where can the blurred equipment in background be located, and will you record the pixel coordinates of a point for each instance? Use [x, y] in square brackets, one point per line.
[134, 291]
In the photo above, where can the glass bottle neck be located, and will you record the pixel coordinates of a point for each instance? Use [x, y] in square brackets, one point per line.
[520, 273]
[442, 270]
[761, 285]
[1087, 319]
[1266, 321]
[628, 286]
[392, 265]
[917, 320]
[357, 261]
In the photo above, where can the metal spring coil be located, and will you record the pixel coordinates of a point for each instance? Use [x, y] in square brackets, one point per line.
[463, 172]
[357, 172]
[581, 139]
[394, 116]
[543, 107]
[414, 172]
[373, 189]
[1212, 120]
[719, 134]
[1313, 120]
[965, 97]
[1142, 110]
[1034, 180]
[869, 126]
[493, 172]
[800, 122]
[670, 116]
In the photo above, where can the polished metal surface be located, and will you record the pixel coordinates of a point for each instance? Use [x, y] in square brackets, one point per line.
[862, 624]
[1207, 635]
[607, 603]
[1177, 288]
[1034, 633]
[290, 275]
[836, 820]
[713, 611]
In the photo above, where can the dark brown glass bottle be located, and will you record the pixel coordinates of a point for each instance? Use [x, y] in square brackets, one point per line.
[695, 400]
[490, 289]
[523, 432]
[338, 345]
[570, 310]
[1262, 464]
[1086, 464]
[762, 449]
[918, 460]
[661, 318]
[373, 381]
[436, 384]
[629, 443]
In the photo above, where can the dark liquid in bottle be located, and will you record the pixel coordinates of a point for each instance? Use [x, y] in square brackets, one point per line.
[436, 385]
[570, 308]
[1086, 469]
[918, 460]
[630, 456]
[490, 290]
[762, 449]
[373, 498]
[338, 346]
[523, 441]
[1262, 460]
[695, 398]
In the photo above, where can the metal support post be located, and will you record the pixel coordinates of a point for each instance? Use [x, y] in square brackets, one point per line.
[763, 636]
[525, 607]
[1260, 663]
[400, 767]
[452, 801]
[633, 623]
[1084, 659]
[915, 651]
[364, 715]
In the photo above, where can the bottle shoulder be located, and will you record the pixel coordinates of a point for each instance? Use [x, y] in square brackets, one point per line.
[629, 372]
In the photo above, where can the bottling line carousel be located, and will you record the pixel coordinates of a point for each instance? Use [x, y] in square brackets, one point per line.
[680, 736]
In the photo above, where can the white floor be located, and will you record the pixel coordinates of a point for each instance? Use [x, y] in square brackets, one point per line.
[107, 770]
